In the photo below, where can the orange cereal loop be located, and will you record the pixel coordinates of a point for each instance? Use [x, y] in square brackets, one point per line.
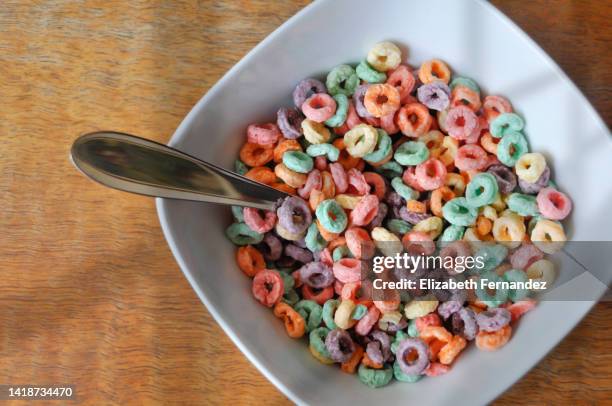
[483, 226]
[492, 341]
[294, 322]
[367, 361]
[284, 146]
[329, 187]
[256, 155]
[316, 197]
[489, 143]
[414, 120]
[449, 352]
[345, 159]
[351, 365]
[381, 100]
[434, 70]
[250, 260]
[327, 236]
[438, 198]
[261, 174]
[416, 206]
[283, 187]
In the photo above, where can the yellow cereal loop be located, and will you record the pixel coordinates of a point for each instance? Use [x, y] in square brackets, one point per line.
[490, 213]
[509, 229]
[348, 201]
[361, 140]
[498, 204]
[548, 236]
[530, 166]
[342, 317]
[432, 226]
[292, 178]
[315, 133]
[387, 242]
[449, 150]
[542, 271]
[419, 308]
[283, 233]
[471, 235]
[384, 56]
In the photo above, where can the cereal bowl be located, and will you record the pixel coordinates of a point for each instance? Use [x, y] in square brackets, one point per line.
[559, 122]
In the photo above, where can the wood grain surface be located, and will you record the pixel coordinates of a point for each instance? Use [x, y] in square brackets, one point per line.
[89, 292]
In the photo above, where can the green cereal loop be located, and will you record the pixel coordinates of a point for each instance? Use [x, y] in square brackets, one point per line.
[358, 312]
[291, 297]
[339, 117]
[452, 233]
[383, 147]
[459, 213]
[492, 255]
[467, 82]
[398, 226]
[515, 140]
[369, 74]
[403, 190]
[288, 281]
[390, 169]
[340, 252]
[237, 213]
[402, 377]
[375, 378]
[332, 216]
[506, 123]
[324, 149]
[399, 337]
[317, 340]
[241, 234]
[240, 167]
[329, 309]
[524, 205]
[311, 312]
[314, 241]
[298, 161]
[552, 184]
[411, 153]
[412, 329]
[481, 190]
[500, 296]
[516, 275]
[339, 75]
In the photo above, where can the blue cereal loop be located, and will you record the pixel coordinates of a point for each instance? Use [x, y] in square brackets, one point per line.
[374, 378]
[411, 153]
[382, 150]
[524, 205]
[459, 213]
[452, 233]
[313, 240]
[467, 82]
[241, 234]
[298, 161]
[389, 169]
[482, 190]
[512, 146]
[403, 190]
[369, 74]
[311, 312]
[500, 296]
[398, 226]
[328, 150]
[491, 254]
[237, 213]
[240, 167]
[339, 117]
[331, 216]
[342, 79]
[506, 123]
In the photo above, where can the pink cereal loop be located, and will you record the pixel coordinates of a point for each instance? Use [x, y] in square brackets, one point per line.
[347, 270]
[387, 123]
[357, 181]
[319, 107]
[493, 106]
[320, 162]
[474, 137]
[263, 134]
[256, 222]
[403, 80]
[314, 181]
[553, 205]
[368, 321]
[461, 122]
[409, 177]
[365, 211]
[339, 176]
[471, 157]
[431, 174]
[359, 242]
[326, 257]
[352, 118]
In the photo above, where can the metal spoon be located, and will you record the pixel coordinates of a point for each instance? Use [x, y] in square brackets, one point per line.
[133, 164]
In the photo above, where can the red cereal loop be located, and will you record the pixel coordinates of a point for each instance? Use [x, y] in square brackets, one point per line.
[414, 120]
[263, 134]
[268, 287]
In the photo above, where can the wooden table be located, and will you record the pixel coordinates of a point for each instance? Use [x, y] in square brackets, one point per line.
[90, 294]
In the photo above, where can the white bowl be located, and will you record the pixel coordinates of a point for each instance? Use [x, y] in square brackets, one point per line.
[477, 41]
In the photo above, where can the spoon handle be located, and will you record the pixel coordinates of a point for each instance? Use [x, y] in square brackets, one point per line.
[137, 165]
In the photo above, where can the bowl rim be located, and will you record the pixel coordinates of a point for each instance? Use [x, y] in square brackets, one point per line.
[181, 131]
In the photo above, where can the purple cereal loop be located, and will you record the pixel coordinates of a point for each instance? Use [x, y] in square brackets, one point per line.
[340, 345]
[289, 121]
[394, 328]
[381, 346]
[412, 217]
[493, 319]
[435, 95]
[316, 275]
[294, 215]
[394, 199]
[306, 88]
[446, 309]
[381, 214]
[272, 247]
[285, 262]
[534, 188]
[464, 323]
[358, 97]
[405, 347]
[299, 254]
[506, 179]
